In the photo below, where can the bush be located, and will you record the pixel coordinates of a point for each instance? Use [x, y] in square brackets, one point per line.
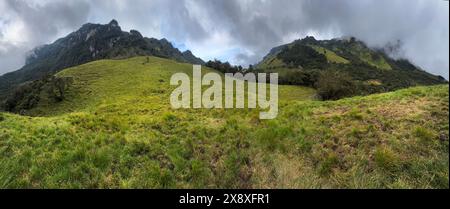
[298, 77]
[334, 85]
[224, 67]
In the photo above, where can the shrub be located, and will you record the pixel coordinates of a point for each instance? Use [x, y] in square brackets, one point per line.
[224, 67]
[298, 77]
[334, 85]
[303, 56]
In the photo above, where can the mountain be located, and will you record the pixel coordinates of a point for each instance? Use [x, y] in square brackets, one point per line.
[116, 129]
[91, 42]
[302, 61]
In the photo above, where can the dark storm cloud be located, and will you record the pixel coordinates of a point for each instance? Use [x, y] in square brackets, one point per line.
[179, 23]
[11, 57]
[26, 24]
[49, 19]
[243, 31]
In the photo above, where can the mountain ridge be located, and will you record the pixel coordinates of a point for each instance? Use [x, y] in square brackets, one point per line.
[89, 43]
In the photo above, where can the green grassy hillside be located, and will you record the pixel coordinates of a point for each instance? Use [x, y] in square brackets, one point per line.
[115, 129]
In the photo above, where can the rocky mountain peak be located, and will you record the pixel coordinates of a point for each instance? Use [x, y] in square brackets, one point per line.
[114, 23]
[136, 33]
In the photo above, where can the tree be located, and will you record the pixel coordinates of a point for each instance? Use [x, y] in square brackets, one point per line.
[28, 95]
[57, 87]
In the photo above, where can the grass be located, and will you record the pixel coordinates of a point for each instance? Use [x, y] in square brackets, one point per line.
[271, 62]
[116, 130]
[368, 57]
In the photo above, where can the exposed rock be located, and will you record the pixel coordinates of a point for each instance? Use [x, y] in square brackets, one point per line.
[90, 34]
[136, 33]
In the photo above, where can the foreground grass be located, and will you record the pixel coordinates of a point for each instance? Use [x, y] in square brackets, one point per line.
[116, 130]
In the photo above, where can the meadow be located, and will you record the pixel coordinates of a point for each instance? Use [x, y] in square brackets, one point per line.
[116, 129]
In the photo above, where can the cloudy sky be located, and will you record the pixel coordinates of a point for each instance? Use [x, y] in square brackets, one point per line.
[239, 31]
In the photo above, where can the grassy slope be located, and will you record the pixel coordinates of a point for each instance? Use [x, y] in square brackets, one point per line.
[368, 57]
[331, 56]
[271, 62]
[129, 83]
[116, 130]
